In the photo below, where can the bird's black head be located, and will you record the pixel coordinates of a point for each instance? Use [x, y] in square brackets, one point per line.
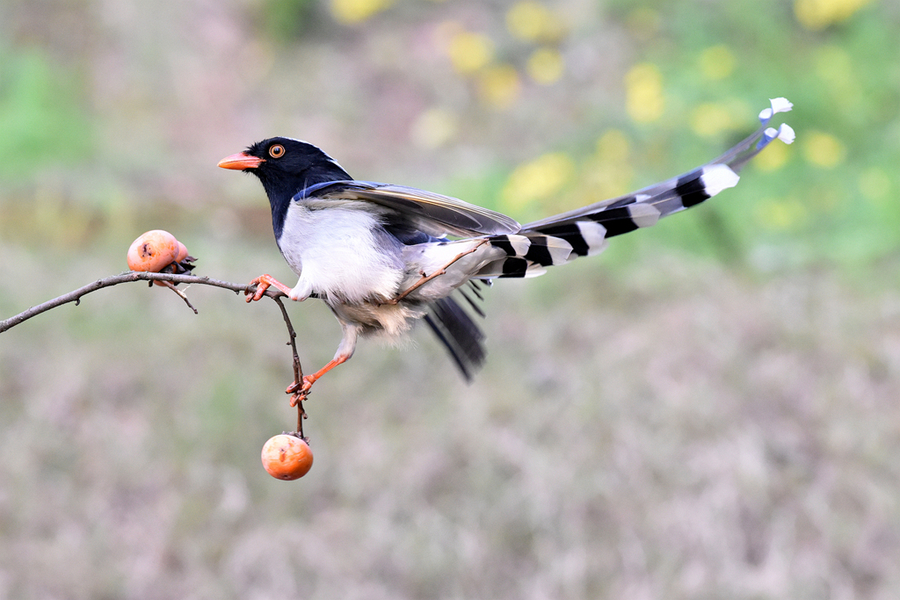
[285, 167]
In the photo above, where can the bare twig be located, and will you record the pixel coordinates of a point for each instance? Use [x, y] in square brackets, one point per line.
[181, 294]
[169, 279]
[297, 396]
[130, 276]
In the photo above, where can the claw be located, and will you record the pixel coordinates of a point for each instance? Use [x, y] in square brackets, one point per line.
[300, 391]
[263, 283]
[298, 397]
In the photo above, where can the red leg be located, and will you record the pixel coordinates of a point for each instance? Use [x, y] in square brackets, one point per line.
[308, 380]
[343, 354]
[264, 282]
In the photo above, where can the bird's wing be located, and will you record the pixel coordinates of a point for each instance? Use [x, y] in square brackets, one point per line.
[431, 213]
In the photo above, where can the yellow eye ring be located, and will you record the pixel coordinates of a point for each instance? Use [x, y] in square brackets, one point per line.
[276, 151]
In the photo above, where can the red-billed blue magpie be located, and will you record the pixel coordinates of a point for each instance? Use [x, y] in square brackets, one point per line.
[384, 256]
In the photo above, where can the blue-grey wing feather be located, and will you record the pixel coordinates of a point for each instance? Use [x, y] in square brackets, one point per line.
[434, 214]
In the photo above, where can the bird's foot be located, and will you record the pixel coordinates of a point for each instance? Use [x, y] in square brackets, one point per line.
[299, 391]
[263, 283]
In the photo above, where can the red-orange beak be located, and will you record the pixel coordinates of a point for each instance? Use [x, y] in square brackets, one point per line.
[240, 161]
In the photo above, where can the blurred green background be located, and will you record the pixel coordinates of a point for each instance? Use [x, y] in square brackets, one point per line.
[708, 410]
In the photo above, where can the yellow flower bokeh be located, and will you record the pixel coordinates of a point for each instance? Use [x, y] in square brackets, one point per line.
[781, 214]
[538, 179]
[834, 66]
[819, 14]
[773, 158]
[717, 62]
[470, 51]
[711, 119]
[607, 172]
[499, 85]
[644, 93]
[613, 146]
[532, 21]
[356, 11]
[823, 149]
[434, 128]
[545, 65]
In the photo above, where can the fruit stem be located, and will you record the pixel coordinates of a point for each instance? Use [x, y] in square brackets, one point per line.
[297, 397]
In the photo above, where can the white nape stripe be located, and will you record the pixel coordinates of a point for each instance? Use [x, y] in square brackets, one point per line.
[328, 156]
[716, 178]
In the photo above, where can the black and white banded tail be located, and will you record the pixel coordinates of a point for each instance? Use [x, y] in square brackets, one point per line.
[586, 231]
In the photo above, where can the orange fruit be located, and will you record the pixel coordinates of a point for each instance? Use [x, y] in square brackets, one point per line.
[182, 253]
[287, 456]
[153, 251]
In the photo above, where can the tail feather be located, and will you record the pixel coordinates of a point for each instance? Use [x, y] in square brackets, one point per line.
[586, 231]
[472, 304]
[459, 333]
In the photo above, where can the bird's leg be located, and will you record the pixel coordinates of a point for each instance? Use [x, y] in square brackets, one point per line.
[426, 278]
[264, 282]
[309, 380]
[343, 354]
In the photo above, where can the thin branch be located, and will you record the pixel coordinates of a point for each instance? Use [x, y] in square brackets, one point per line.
[130, 276]
[169, 279]
[180, 294]
[297, 396]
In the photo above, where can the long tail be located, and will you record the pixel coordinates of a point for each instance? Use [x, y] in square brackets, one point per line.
[586, 231]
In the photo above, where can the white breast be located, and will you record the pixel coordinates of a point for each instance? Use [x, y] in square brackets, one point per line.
[339, 252]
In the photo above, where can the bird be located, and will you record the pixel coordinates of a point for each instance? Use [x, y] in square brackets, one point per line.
[383, 257]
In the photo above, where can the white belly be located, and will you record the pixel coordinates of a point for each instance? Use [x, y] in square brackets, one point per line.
[339, 253]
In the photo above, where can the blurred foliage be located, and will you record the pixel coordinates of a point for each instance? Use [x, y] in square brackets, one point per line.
[286, 20]
[708, 410]
[518, 96]
[42, 121]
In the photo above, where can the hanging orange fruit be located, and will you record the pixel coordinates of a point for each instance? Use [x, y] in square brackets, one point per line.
[287, 456]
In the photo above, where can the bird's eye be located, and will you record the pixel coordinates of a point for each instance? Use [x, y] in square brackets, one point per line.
[276, 151]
